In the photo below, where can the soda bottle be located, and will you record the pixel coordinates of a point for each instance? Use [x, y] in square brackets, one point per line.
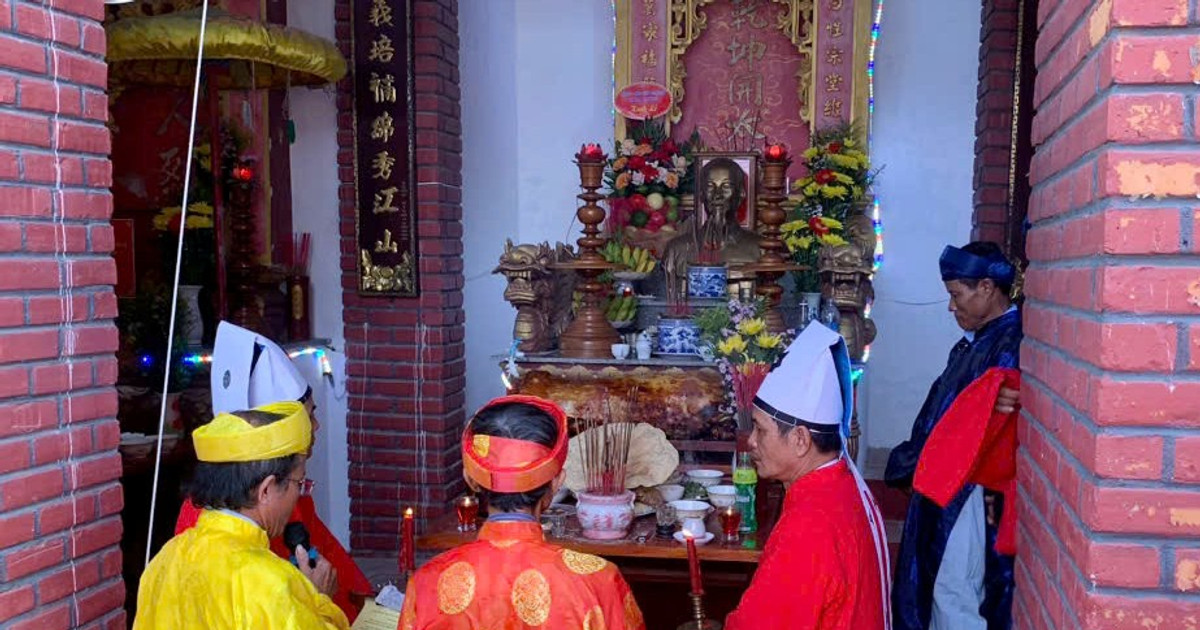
[745, 480]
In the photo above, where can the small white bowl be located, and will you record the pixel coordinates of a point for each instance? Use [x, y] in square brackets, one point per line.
[700, 542]
[722, 496]
[671, 492]
[691, 509]
[705, 477]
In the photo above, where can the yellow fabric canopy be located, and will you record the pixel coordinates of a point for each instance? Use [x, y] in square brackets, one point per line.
[161, 51]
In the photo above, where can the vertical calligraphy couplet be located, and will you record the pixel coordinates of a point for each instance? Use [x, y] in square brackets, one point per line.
[383, 133]
[832, 88]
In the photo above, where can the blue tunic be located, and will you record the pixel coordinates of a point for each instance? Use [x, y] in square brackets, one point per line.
[927, 527]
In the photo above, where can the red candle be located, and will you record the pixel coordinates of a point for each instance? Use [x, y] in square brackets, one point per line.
[693, 563]
[410, 561]
[590, 152]
[776, 153]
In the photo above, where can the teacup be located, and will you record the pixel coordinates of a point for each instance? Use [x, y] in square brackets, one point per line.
[695, 527]
[620, 351]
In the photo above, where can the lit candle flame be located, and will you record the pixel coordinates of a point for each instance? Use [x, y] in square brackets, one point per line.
[408, 513]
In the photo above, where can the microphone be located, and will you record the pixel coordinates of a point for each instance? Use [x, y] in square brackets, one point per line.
[295, 534]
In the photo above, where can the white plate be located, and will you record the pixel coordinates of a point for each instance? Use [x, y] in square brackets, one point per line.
[700, 542]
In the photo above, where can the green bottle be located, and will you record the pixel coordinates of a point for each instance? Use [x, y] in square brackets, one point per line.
[745, 479]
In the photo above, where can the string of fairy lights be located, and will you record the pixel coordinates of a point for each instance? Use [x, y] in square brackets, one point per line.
[318, 354]
[876, 216]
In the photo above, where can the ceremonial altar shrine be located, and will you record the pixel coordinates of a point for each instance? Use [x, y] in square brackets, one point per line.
[732, 209]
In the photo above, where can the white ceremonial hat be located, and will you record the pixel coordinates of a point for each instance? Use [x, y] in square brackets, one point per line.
[238, 382]
[812, 385]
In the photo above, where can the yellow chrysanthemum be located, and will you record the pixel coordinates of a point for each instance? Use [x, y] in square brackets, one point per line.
[811, 153]
[793, 226]
[768, 341]
[751, 327]
[732, 345]
[198, 222]
[831, 223]
[200, 209]
[833, 240]
[844, 178]
[842, 160]
[812, 190]
[834, 192]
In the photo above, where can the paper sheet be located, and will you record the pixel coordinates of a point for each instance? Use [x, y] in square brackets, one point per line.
[376, 617]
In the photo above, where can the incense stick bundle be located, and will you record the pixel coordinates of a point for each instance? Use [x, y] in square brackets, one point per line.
[605, 433]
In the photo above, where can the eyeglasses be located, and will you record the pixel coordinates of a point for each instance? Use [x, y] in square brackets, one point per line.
[306, 485]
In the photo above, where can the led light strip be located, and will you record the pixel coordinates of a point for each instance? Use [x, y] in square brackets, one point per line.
[200, 359]
[876, 217]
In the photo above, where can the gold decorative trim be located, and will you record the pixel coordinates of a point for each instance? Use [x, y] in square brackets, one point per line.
[864, 20]
[802, 32]
[1014, 132]
[622, 62]
[382, 279]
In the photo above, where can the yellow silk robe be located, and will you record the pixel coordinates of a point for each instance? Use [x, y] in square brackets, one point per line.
[511, 579]
[222, 575]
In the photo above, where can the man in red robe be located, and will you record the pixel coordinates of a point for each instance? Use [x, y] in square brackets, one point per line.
[249, 370]
[825, 565]
[513, 454]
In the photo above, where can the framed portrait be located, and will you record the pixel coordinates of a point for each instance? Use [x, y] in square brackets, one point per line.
[742, 186]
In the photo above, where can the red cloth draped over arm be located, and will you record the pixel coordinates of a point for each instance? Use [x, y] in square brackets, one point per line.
[974, 443]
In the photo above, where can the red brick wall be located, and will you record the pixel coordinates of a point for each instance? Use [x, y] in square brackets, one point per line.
[59, 497]
[405, 356]
[993, 118]
[1111, 442]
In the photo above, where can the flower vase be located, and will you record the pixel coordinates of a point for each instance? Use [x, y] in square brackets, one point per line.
[678, 335]
[605, 516]
[707, 281]
[811, 307]
[189, 302]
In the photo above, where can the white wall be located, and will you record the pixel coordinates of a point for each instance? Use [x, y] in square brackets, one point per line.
[926, 76]
[315, 210]
[536, 79]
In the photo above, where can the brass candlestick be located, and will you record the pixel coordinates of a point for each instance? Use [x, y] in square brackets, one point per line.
[773, 262]
[590, 335]
[699, 621]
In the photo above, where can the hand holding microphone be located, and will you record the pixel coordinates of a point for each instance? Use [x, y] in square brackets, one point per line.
[317, 569]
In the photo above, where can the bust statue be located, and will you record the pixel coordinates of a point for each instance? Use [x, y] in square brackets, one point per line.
[722, 186]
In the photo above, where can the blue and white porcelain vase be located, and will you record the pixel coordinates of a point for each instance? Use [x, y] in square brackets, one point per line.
[707, 281]
[677, 335]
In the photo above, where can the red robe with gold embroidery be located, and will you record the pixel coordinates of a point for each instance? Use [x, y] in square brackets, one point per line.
[819, 570]
[511, 578]
[350, 578]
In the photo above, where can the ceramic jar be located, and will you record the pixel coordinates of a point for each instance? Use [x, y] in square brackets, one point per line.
[678, 336]
[605, 516]
[707, 281]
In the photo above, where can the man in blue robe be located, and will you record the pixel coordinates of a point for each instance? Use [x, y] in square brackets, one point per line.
[948, 574]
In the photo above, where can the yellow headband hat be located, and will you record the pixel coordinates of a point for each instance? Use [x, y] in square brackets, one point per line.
[229, 438]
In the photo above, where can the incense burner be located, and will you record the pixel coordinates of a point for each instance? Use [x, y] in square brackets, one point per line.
[605, 516]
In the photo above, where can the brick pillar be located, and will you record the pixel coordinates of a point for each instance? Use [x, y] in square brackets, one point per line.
[405, 356]
[60, 564]
[993, 118]
[1111, 438]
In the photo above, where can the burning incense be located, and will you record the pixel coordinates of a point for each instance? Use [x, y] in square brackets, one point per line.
[605, 433]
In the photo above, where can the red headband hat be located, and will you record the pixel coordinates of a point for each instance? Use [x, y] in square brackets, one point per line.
[509, 465]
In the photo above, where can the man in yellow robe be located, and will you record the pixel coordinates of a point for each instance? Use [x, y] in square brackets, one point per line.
[513, 454]
[221, 574]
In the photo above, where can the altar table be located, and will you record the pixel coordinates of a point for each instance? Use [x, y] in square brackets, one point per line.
[656, 568]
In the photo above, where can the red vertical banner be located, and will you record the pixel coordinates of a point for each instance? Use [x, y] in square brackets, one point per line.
[835, 75]
[123, 255]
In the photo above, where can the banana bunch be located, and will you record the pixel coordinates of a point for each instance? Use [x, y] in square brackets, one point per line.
[621, 308]
[636, 259]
